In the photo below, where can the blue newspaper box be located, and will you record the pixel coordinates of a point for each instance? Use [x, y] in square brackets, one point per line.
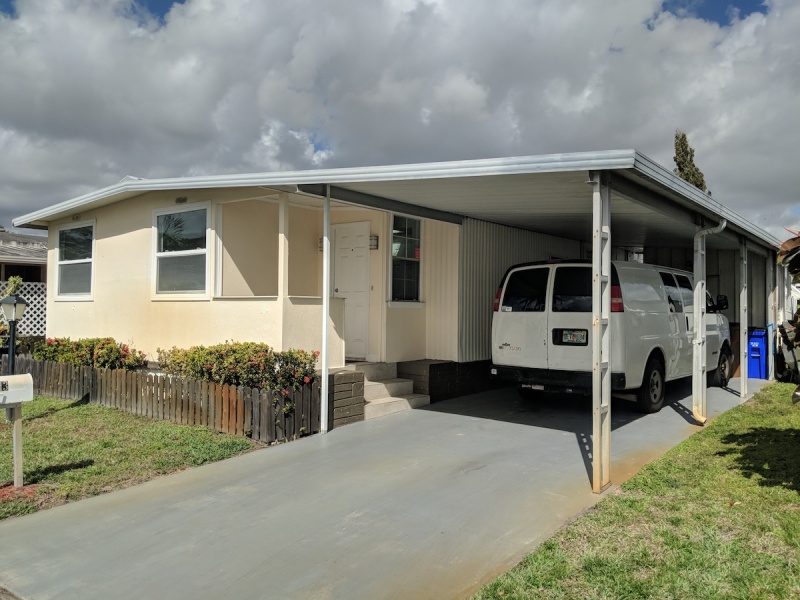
[757, 354]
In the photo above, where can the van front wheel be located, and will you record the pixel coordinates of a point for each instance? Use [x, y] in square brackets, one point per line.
[650, 397]
[722, 374]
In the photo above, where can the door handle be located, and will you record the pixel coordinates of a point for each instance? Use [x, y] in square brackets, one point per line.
[336, 290]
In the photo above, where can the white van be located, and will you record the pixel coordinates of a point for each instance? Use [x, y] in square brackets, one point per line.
[542, 329]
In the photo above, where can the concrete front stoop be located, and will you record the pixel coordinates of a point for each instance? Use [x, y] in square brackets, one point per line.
[385, 393]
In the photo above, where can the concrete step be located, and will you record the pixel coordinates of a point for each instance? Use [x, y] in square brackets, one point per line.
[377, 371]
[386, 406]
[387, 387]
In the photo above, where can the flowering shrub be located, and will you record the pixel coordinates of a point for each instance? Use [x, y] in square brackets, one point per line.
[249, 364]
[104, 353]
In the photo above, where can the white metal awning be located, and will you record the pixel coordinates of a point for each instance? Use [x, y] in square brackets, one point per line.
[549, 194]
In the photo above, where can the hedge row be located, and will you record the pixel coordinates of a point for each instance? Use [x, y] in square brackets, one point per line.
[242, 363]
[102, 353]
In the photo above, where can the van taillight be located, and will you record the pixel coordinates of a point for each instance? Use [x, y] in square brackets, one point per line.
[616, 299]
[497, 299]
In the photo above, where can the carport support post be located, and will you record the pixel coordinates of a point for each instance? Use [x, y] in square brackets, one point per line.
[699, 405]
[326, 307]
[744, 347]
[772, 314]
[601, 332]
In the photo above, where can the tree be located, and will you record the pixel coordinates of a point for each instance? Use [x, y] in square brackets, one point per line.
[684, 161]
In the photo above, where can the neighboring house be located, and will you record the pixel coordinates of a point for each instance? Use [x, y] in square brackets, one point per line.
[24, 255]
[417, 251]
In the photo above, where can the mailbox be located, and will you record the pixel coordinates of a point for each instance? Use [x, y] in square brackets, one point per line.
[15, 389]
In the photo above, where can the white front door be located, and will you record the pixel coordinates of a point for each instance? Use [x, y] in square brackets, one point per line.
[351, 282]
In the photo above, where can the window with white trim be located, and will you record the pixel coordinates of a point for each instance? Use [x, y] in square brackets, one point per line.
[405, 259]
[75, 253]
[181, 251]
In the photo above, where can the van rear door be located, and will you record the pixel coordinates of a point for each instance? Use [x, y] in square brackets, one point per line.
[519, 328]
[570, 321]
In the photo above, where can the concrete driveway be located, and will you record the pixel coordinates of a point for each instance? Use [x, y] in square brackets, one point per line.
[430, 503]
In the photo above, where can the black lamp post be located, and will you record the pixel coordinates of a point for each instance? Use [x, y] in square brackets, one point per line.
[13, 308]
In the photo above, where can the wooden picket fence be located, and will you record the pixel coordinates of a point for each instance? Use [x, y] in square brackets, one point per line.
[262, 415]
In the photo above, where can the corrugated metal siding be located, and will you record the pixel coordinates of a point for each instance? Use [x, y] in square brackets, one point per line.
[487, 250]
[440, 289]
[757, 289]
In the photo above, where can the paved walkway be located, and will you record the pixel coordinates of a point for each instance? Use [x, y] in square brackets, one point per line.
[430, 503]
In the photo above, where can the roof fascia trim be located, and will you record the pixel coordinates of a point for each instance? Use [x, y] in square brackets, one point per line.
[668, 179]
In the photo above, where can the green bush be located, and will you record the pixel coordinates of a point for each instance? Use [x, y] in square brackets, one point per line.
[103, 353]
[249, 364]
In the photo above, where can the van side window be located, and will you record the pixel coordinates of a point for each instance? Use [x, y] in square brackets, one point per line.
[526, 291]
[687, 292]
[572, 289]
[673, 292]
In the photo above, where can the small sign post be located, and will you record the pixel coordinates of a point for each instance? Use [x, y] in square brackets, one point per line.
[14, 390]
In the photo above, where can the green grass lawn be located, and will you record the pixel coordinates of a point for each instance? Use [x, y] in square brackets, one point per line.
[73, 450]
[716, 517]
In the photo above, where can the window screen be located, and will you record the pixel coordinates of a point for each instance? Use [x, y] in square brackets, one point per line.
[181, 251]
[406, 236]
[75, 247]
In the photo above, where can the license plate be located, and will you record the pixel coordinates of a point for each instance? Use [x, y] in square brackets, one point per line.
[573, 336]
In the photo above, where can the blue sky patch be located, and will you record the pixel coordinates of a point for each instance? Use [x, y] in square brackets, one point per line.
[158, 8]
[717, 11]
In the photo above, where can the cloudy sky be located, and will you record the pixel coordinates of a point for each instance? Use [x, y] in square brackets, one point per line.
[93, 90]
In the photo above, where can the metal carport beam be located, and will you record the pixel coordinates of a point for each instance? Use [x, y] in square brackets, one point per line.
[699, 409]
[601, 332]
[744, 349]
[326, 308]
[772, 314]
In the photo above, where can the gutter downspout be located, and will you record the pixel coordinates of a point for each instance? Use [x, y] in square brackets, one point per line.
[699, 411]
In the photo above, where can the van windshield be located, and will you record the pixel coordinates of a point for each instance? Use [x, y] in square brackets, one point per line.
[526, 290]
[572, 289]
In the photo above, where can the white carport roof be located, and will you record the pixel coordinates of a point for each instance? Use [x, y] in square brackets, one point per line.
[650, 206]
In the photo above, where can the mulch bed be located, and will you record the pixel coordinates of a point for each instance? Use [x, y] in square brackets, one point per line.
[8, 492]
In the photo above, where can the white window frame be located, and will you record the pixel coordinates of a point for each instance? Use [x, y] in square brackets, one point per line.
[75, 297]
[204, 294]
[406, 303]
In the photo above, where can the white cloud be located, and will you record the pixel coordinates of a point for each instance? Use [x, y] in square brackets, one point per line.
[93, 91]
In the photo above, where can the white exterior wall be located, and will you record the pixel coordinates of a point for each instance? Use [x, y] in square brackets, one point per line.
[440, 289]
[486, 251]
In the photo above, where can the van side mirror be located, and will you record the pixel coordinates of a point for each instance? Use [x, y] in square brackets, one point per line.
[722, 302]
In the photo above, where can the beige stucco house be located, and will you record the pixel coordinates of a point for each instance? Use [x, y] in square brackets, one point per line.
[416, 251]
[198, 266]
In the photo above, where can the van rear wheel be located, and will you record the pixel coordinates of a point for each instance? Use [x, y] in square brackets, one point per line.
[650, 397]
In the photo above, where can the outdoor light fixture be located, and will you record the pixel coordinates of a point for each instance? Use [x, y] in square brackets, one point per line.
[13, 308]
